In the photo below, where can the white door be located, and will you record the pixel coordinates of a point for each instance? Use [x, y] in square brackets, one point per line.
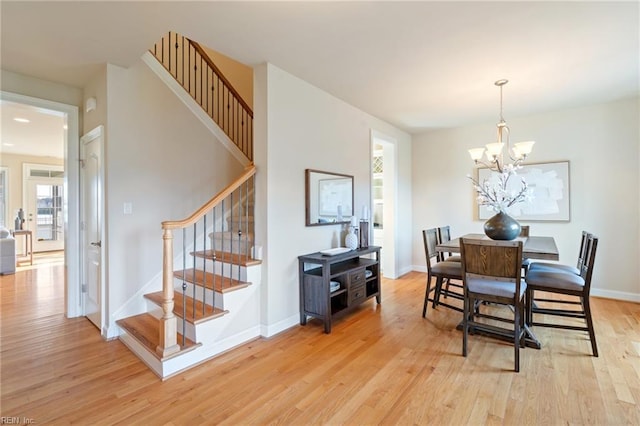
[44, 214]
[91, 230]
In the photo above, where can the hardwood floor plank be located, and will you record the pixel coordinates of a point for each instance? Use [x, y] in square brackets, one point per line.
[384, 364]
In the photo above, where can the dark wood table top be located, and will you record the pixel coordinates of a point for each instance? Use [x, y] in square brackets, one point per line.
[533, 247]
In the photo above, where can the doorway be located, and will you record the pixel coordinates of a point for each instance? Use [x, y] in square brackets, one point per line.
[383, 190]
[69, 195]
[44, 196]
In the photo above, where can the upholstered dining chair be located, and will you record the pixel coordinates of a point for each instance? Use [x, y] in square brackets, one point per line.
[566, 283]
[492, 272]
[441, 271]
[444, 235]
[557, 267]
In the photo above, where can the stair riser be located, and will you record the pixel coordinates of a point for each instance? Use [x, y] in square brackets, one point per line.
[237, 246]
[224, 269]
[234, 224]
[219, 297]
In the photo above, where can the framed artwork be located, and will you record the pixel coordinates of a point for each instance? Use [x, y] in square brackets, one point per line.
[551, 196]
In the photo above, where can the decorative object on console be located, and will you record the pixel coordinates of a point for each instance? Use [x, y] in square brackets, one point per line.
[495, 192]
[364, 234]
[351, 240]
[19, 222]
[364, 228]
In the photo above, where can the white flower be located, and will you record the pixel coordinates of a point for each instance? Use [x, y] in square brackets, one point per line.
[496, 195]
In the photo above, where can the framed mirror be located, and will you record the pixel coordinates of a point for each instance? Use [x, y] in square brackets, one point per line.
[328, 198]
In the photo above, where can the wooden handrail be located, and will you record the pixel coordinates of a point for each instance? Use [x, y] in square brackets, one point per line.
[250, 170]
[221, 76]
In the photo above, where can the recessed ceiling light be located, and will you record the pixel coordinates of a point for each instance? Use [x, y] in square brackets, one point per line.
[64, 127]
[21, 120]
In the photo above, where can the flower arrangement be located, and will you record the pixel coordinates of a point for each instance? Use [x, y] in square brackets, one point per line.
[497, 195]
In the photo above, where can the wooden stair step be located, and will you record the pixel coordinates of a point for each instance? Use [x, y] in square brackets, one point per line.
[209, 311]
[145, 328]
[223, 256]
[199, 278]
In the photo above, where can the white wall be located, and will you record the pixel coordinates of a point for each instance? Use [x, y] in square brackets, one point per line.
[160, 158]
[298, 126]
[602, 144]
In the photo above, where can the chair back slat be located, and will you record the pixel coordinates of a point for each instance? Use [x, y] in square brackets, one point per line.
[492, 259]
[586, 271]
[582, 254]
[524, 231]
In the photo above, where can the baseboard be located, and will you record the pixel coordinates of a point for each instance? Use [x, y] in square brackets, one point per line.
[596, 292]
[617, 295]
[280, 326]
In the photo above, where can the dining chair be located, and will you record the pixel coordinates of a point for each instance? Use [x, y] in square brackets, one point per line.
[557, 267]
[566, 283]
[492, 272]
[440, 271]
[444, 235]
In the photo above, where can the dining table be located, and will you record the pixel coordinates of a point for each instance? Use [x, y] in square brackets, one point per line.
[533, 247]
[542, 248]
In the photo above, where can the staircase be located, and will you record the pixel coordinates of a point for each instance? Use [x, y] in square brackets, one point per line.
[209, 301]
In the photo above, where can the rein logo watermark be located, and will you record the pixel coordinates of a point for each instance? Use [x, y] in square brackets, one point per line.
[16, 420]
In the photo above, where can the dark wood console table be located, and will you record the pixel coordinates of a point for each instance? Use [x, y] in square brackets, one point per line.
[358, 275]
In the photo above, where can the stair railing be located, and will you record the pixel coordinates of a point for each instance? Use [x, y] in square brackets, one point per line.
[220, 231]
[190, 65]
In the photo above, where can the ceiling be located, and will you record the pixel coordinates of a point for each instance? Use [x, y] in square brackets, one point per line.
[417, 65]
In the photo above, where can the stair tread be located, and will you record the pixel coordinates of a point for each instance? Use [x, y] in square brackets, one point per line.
[209, 311]
[223, 256]
[145, 328]
[200, 278]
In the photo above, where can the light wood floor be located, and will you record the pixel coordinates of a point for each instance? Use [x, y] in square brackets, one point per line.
[382, 365]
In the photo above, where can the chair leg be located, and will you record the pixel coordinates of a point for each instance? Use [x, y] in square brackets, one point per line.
[426, 297]
[465, 325]
[529, 306]
[592, 333]
[446, 289]
[516, 334]
[436, 296]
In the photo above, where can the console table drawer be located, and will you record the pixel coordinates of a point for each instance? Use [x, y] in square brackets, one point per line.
[357, 277]
[356, 293]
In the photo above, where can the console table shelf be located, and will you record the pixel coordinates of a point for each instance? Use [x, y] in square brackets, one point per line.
[358, 275]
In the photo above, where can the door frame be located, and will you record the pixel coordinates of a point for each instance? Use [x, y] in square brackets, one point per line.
[71, 199]
[389, 261]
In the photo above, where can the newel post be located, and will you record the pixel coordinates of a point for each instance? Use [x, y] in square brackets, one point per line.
[168, 323]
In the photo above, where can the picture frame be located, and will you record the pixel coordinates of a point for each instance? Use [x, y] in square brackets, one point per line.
[551, 192]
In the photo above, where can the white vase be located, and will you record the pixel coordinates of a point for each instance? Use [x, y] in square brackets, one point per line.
[351, 240]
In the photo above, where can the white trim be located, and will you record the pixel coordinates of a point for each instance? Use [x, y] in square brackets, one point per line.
[8, 219]
[270, 330]
[195, 108]
[71, 198]
[617, 295]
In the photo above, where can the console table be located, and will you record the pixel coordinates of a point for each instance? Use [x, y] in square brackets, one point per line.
[358, 275]
[28, 243]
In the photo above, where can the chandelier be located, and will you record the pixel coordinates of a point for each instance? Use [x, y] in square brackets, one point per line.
[495, 151]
